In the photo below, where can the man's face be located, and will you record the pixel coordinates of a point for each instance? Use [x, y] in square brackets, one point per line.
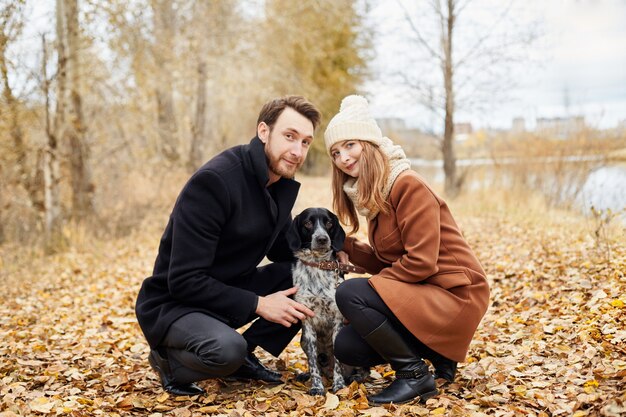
[287, 144]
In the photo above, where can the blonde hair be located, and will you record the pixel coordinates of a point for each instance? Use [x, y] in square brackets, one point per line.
[373, 175]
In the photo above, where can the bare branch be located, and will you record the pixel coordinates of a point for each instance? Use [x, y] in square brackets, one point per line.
[417, 33]
[476, 48]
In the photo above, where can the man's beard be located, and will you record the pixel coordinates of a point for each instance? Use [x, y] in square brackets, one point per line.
[275, 167]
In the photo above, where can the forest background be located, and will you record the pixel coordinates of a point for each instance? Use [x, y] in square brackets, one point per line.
[113, 105]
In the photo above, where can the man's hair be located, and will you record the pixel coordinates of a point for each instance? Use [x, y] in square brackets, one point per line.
[272, 110]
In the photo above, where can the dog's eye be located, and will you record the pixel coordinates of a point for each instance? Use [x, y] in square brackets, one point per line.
[308, 224]
[329, 224]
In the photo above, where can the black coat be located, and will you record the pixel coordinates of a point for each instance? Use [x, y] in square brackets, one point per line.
[224, 222]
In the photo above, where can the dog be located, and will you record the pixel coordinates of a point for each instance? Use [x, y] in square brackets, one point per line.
[315, 236]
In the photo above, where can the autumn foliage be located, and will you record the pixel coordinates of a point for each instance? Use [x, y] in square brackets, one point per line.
[553, 342]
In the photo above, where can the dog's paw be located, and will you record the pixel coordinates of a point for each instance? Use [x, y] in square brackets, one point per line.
[317, 391]
[303, 376]
[338, 386]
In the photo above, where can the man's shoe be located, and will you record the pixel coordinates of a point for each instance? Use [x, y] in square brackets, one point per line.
[253, 369]
[162, 367]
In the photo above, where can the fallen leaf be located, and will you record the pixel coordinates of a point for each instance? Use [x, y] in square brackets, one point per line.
[332, 401]
[42, 405]
[375, 412]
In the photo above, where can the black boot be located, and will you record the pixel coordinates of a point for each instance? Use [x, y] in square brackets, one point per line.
[253, 369]
[413, 379]
[444, 368]
[162, 368]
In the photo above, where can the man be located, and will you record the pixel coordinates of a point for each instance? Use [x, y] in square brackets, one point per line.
[232, 213]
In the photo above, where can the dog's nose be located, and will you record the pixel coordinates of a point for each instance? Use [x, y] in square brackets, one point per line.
[321, 240]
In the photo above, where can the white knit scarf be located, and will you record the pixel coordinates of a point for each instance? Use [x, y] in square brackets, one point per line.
[398, 163]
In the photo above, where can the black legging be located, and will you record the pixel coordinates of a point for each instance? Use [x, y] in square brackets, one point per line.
[361, 305]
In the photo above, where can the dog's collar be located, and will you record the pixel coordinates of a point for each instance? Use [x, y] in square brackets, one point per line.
[335, 266]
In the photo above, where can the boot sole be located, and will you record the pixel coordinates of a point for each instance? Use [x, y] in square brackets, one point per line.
[241, 379]
[420, 398]
[157, 370]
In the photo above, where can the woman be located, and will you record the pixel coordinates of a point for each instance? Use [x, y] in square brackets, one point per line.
[428, 292]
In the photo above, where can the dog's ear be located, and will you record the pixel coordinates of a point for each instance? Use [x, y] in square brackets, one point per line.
[293, 235]
[338, 235]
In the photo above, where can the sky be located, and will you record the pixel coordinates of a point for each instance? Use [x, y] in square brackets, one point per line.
[578, 66]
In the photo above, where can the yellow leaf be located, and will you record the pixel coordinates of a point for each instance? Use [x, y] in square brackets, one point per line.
[275, 390]
[617, 303]
[332, 401]
[438, 411]
[41, 405]
[161, 398]
[590, 386]
[520, 390]
[375, 412]
[211, 409]
[592, 383]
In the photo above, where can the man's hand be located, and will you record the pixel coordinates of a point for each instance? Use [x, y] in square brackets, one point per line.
[279, 308]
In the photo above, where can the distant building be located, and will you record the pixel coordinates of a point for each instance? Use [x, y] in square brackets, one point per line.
[518, 125]
[462, 131]
[560, 127]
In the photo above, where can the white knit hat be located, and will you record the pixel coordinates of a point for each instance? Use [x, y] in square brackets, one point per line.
[353, 121]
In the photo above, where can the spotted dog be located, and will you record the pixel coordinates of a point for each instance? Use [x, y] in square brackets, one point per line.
[315, 236]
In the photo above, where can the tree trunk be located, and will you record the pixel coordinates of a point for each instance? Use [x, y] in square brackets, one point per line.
[82, 185]
[162, 50]
[53, 220]
[449, 160]
[26, 179]
[2, 234]
[198, 131]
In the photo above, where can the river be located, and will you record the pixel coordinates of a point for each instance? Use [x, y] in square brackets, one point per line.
[578, 182]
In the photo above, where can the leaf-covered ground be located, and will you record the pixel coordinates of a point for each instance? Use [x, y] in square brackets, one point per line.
[553, 342]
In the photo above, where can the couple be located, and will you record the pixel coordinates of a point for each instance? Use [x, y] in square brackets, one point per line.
[424, 300]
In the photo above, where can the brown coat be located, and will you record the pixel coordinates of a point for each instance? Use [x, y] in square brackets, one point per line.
[423, 268]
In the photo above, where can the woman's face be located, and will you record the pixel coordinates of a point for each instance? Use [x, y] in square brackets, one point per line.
[346, 155]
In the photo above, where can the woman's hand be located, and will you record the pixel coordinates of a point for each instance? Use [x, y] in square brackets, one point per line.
[343, 257]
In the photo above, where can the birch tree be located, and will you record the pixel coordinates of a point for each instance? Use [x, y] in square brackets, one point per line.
[164, 24]
[53, 220]
[75, 130]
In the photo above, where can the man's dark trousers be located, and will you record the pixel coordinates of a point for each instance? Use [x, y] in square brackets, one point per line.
[200, 346]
